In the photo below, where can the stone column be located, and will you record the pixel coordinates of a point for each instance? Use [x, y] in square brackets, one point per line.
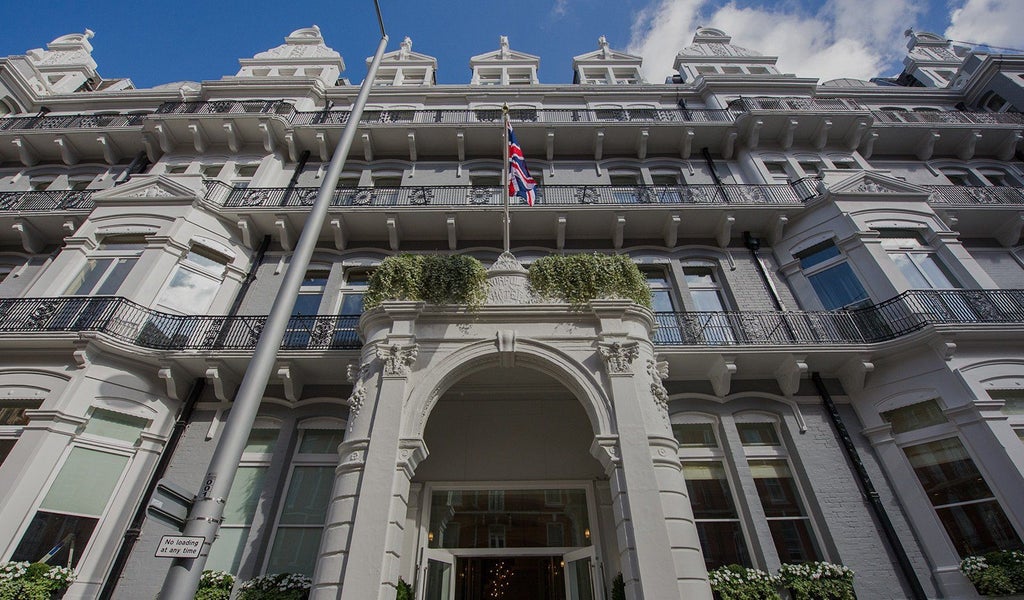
[654, 521]
[362, 539]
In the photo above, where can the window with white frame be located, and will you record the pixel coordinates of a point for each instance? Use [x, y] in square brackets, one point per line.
[968, 510]
[244, 174]
[307, 307]
[662, 292]
[777, 489]
[77, 497]
[915, 259]
[300, 522]
[1013, 408]
[242, 500]
[706, 294]
[108, 266]
[832, 278]
[718, 523]
[194, 282]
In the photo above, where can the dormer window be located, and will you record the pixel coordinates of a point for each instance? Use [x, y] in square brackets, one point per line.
[625, 76]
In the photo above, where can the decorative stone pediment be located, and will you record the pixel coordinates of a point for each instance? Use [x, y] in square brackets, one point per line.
[507, 282]
[303, 54]
[626, 66]
[874, 184]
[605, 54]
[504, 54]
[149, 189]
[404, 55]
[405, 67]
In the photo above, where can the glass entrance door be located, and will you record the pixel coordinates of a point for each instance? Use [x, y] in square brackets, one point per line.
[438, 567]
[580, 575]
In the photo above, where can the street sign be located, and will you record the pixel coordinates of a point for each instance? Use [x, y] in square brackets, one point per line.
[179, 546]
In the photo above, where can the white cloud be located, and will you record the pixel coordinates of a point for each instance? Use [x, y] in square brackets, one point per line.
[996, 22]
[842, 40]
[560, 8]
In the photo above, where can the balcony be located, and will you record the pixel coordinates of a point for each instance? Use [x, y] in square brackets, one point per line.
[46, 201]
[129, 322]
[227, 107]
[51, 122]
[962, 195]
[898, 316]
[490, 116]
[548, 195]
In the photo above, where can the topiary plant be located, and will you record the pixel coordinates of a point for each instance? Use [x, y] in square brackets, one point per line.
[437, 279]
[580, 278]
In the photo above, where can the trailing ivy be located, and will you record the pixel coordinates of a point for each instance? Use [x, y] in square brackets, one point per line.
[580, 278]
[437, 279]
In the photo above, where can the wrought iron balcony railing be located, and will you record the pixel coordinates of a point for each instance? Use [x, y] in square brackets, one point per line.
[548, 195]
[956, 117]
[99, 121]
[520, 115]
[786, 104]
[129, 322]
[227, 107]
[962, 195]
[46, 201]
[893, 318]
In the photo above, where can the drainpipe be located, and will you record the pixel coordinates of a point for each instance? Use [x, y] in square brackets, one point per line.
[754, 244]
[138, 164]
[131, 535]
[917, 591]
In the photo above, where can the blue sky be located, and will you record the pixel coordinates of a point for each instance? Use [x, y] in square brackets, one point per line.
[154, 43]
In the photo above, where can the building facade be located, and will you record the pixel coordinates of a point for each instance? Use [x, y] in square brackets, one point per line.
[832, 369]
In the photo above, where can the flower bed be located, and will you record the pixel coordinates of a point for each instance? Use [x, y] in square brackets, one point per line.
[734, 582]
[818, 581]
[284, 586]
[33, 581]
[996, 573]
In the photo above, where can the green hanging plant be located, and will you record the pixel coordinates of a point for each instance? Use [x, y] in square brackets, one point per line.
[404, 590]
[437, 279]
[580, 278]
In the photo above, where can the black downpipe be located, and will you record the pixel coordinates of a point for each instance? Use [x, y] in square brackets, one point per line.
[711, 166]
[138, 165]
[754, 244]
[295, 176]
[250, 277]
[131, 536]
[869, 491]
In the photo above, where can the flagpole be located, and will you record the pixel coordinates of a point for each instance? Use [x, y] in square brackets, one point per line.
[504, 172]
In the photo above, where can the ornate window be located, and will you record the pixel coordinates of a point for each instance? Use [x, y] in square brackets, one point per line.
[831, 276]
[194, 281]
[107, 267]
[916, 260]
[706, 295]
[303, 322]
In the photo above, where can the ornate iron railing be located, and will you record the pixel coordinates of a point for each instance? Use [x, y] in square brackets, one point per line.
[127, 321]
[895, 317]
[46, 201]
[789, 104]
[961, 117]
[519, 115]
[227, 107]
[548, 195]
[130, 322]
[962, 195]
[99, 121]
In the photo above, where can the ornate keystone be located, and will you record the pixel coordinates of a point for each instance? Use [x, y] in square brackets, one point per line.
[619, 357]
[507, 282]
[397, 359]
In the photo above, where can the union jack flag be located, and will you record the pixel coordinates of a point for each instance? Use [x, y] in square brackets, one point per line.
[519, 181]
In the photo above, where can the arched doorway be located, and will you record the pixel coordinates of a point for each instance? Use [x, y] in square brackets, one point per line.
[512, 503]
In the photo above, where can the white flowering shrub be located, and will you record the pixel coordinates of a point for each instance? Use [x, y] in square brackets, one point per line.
[818, 581]
[32, 581]
[283, 586]
[735, 582]
[996, 573]
[215, 585]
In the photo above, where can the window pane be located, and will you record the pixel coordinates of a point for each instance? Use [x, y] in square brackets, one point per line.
[316, 278]
[661, 301]
[116, 278]
[320, 441]
[793, 540]
[979, 528]
[707, 300]
[524, 513]
[226, 552]
[308, 495]
[261, 441]
[12, 412]
[837, 286]
[816, 254]
[6, 446]
[351, 304]
[90, 276]
[695, 435]
[910, 271]
[1014, 400]
[85, 482]
[758, 434]
[709, 491]
[947, 473]
[307, 304]
[244, 495]
[295, 550]
[189, 292]
[47, 530]
[723, 544]
[106, 423]
[935, 272]
[916, 416]
[776, 488]
[699, 276]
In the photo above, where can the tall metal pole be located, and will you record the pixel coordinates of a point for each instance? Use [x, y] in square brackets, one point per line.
[208, 511]
[504, 174]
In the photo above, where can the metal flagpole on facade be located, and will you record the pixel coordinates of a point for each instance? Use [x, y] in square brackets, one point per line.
[208, 510]
[504, 172]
